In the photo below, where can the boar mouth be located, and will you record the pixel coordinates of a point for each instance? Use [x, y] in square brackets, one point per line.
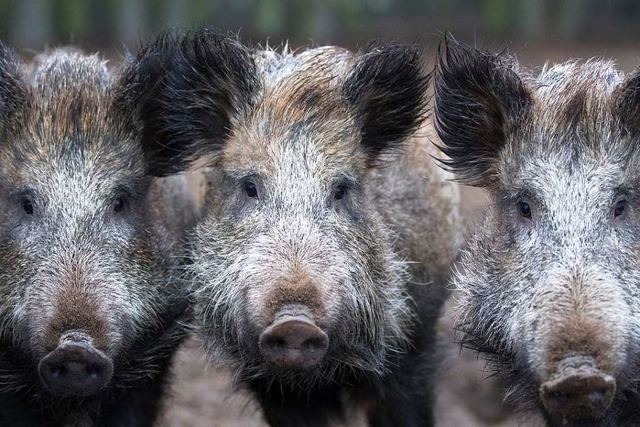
[293, 340]
[578, 390]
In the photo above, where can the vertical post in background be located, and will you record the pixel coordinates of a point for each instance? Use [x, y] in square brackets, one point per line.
[31, 24]
[532, 12]
[131, 20]
[177, 14]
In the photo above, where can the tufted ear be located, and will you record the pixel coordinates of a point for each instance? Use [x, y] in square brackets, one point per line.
[13, 91]
[387, 89]
[479, 98]
[186, 90]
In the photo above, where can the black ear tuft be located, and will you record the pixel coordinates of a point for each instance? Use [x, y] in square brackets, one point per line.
[627, 103]
[13, 92]
[187, 90]
[388, 90]
[478, 99]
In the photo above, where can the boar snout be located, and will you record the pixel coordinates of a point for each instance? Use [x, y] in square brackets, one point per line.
[578, 390]
[75, 367]
[293, 340]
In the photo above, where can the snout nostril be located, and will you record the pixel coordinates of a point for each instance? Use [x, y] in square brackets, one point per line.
[596, 396]
[58, 372]
[312, 344]
[93, 372]
[277, 343]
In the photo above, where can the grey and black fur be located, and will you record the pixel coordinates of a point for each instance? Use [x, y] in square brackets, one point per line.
[321, 189]
[90, 237]
[552, 273]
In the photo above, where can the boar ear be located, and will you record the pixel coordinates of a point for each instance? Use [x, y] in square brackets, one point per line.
[627, 102]
[13, 93]
[387, 88]
[478, 99]
[187, 90]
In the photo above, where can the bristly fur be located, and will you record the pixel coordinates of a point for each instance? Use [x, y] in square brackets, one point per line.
[71, 260]
[480, 99]
[12, 90]
[301, 127]
[214, 85]
[627, 105]
[561, 277]
[388, 87]
[199, 84]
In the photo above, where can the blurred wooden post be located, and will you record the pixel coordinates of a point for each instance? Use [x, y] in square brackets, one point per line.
[177, 13]
[533, 17]
[574, 15]
[131, 22]
[270, 16]
[32, 24]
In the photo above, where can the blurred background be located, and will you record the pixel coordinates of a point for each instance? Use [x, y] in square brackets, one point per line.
[540, 28]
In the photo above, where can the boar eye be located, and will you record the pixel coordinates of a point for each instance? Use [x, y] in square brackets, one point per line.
[340, 192]
[620, 207]
[27, 205]
[525, 209]
[251, 189]
[118, 204]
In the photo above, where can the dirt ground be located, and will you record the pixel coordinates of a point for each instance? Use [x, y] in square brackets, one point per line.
[200, 396]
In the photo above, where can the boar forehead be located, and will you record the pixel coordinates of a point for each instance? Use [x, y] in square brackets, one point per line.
[571, 180]
[69, 129]
[572, 109]
[571, 146]
[300, 114]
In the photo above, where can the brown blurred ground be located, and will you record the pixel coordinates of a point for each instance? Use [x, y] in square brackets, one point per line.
[203, 397]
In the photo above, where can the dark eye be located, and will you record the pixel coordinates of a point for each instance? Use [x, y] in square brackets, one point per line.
[118, 204]
[525, 209]
[620, 207]
[340, 192]
[27, 206]
[251, 189]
